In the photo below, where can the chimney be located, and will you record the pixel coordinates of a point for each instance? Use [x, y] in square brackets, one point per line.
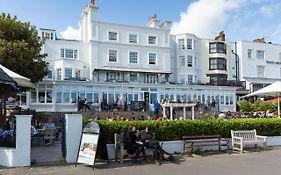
[221, 36]
[153, 22]
[92, 3]
[259, 40]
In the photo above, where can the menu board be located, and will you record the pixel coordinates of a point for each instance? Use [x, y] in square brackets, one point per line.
[88, 148]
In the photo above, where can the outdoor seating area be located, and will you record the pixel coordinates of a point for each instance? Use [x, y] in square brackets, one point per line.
[44, 137]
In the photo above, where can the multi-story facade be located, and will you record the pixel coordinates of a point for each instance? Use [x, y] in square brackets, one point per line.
[133, 63]
[259, 63]
[203, 61]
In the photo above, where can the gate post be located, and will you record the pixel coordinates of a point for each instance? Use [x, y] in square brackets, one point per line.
[73, 131]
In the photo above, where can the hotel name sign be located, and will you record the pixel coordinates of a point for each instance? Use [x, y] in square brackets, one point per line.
[273, 62]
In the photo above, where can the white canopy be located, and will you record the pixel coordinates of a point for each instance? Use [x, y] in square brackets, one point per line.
[21, 80]
[273, 90]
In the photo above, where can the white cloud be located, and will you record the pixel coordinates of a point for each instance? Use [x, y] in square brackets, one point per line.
[205, 19]
[71, 33]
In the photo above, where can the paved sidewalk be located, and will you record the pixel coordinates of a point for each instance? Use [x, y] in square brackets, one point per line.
[257, 163]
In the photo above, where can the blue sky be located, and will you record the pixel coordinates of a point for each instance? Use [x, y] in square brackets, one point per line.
[240, 19]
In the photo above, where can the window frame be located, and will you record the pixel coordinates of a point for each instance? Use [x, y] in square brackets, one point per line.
[189, 57]
[130, 41]
[249, 53]
[116, 59]
[258, 55]
[133, 77]
[59, 73]
[65, 55]
[109, 36]
[189, 44]
[181, 44]
[149, 58]
[148, 40]
[218, 65]
[65, 72]
[137, 58]
[216, 48]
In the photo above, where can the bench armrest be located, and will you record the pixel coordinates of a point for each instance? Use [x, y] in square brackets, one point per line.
[262, 137]
[235, 138]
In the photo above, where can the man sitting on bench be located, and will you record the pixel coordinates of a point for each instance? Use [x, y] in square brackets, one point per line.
[149, 140]
[132, 144]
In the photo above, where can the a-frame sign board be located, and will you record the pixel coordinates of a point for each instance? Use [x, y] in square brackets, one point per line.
[88, 144]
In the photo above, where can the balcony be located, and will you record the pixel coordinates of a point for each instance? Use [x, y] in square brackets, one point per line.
[228, 83]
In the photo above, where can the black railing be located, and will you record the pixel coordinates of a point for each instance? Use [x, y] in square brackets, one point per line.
[228, 83]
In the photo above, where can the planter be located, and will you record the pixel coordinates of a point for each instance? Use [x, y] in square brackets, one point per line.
[173, 146]
[110, 151]
[177, 146]
[273, 141]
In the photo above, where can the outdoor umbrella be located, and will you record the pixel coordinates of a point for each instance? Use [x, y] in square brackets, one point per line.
[20, 80]
[273, 90]
[5, 78]
[7, 86]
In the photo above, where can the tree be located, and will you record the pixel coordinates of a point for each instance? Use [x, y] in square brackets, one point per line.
[20, 48]
[245, 106]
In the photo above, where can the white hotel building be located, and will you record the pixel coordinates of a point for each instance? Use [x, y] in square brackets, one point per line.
[137, 63]
[259, 63]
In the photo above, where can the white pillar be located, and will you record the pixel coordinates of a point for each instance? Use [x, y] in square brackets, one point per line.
[28, 99]
[184, 113]
[23, 140]
[73, 131]
[192, 112]
[171, 112]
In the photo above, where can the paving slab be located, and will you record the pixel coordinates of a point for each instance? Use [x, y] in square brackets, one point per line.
[258, 163]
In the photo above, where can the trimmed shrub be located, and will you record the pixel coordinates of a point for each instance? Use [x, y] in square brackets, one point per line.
[175, 130]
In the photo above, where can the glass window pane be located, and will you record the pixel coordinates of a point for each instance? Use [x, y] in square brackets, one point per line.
[66, 97]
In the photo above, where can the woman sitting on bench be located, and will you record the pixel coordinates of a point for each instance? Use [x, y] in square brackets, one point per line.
[132, 144]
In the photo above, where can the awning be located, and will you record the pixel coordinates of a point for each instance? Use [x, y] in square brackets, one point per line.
[273, 99]
[20, 80]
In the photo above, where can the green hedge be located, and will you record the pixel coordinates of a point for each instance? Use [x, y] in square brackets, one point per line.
[174, 130]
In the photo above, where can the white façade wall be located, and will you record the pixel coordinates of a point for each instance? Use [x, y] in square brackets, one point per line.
[19, 156]
[73, 131]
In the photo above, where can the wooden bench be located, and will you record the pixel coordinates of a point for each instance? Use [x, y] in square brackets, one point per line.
[204, 140]
[119, 147]
[247, 137]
